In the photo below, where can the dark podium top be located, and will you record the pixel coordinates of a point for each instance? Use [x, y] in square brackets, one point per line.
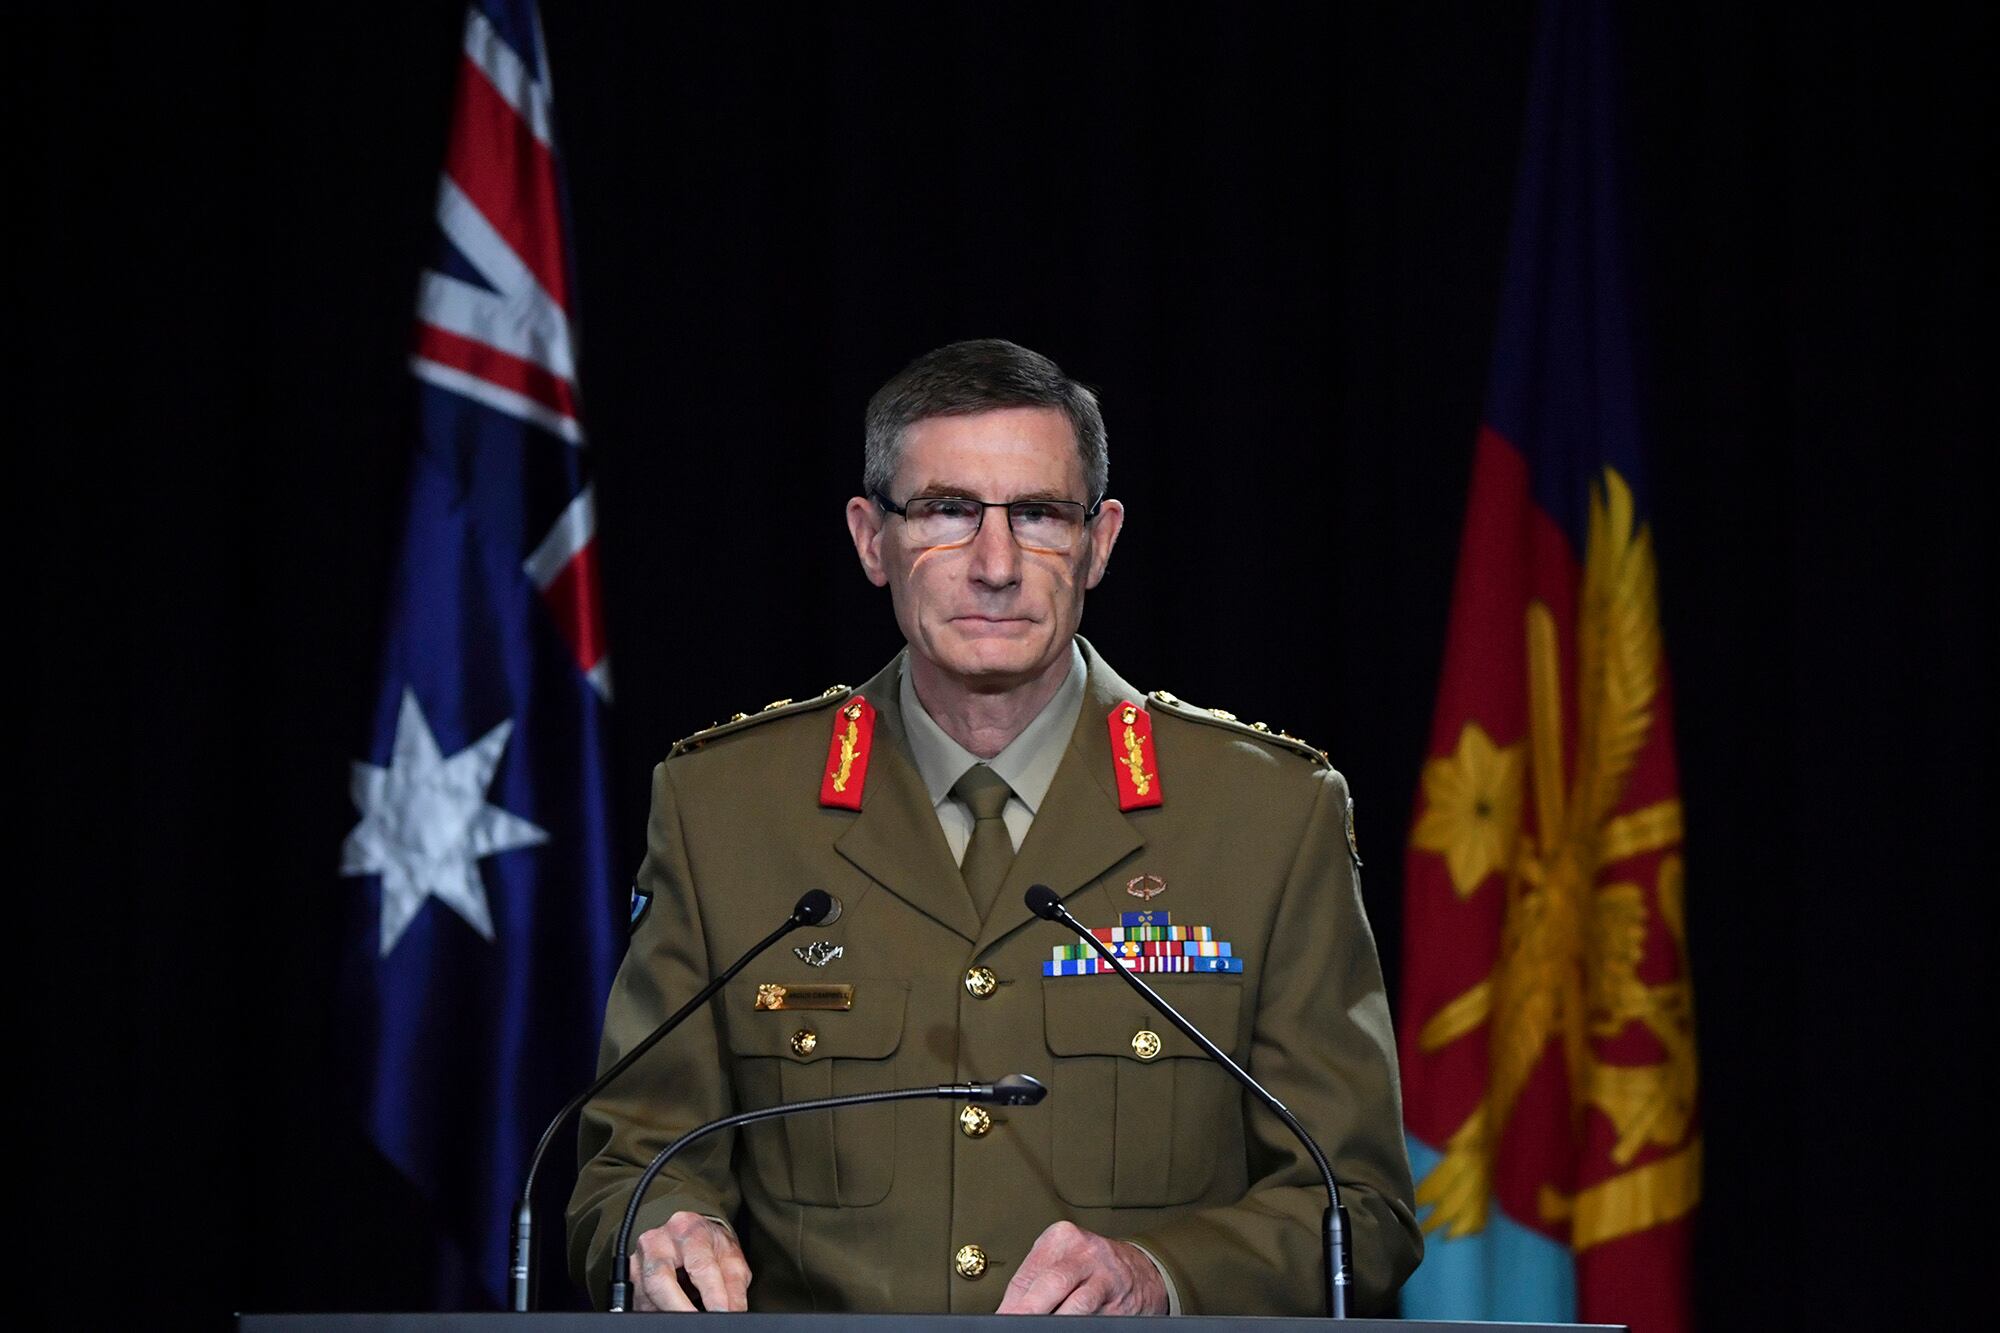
[856, 1323]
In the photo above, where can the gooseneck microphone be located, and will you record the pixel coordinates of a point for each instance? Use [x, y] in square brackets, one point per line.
[1012, 1090]
[1043, 902]
[816, 907]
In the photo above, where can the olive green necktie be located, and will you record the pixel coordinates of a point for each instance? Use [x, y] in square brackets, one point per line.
[990, 851]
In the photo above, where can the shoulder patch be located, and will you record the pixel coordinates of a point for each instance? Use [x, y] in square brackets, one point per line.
[743, 721]
[1134, 762]
[1217, 717]
[847, 755]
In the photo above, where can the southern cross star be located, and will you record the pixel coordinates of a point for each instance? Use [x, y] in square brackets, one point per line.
[425, 824]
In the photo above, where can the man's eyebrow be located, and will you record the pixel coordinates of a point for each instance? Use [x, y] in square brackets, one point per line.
[945, 488]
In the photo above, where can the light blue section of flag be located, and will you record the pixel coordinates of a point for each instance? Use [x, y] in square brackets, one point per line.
[1503, 1272]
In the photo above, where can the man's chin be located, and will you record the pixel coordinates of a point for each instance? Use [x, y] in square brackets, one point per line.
[989, 660]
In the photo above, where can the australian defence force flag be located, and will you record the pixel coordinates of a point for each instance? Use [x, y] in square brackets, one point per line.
[485, 931]
[1547, 1031]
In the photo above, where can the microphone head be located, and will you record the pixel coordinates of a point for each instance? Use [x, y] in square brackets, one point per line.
[1018, 1090]
[816, 907]
[1042, 901]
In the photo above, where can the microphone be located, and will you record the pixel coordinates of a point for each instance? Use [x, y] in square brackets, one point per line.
[816, 907]
[1043, 902]
[1012, 1090]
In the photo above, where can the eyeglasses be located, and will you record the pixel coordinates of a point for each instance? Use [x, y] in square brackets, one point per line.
[1054, 526]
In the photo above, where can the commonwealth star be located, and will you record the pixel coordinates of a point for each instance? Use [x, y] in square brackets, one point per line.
[425, 824]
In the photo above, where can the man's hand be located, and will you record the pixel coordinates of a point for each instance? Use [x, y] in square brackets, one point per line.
[699, 1247]
[1073, 1271]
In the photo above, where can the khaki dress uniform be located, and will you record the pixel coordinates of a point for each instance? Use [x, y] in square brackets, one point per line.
[926, 1206]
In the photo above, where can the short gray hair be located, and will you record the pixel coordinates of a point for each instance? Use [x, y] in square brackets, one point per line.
[980, 375]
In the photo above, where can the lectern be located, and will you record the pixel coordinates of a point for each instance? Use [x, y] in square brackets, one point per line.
[863, 1323]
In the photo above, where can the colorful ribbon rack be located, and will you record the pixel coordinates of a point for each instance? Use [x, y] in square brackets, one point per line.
[1146, 942]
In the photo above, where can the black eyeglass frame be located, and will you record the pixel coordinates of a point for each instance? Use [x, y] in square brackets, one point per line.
[1090, 511]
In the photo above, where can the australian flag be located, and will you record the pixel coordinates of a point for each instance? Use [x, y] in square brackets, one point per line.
[484, 917]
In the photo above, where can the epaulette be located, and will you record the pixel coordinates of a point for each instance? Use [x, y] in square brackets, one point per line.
[775, 709]
[1216, 717]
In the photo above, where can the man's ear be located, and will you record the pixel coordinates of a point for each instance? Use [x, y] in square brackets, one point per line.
[864, 524]
[1104, 530]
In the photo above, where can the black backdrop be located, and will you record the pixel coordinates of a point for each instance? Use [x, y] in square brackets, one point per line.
[1272, 238]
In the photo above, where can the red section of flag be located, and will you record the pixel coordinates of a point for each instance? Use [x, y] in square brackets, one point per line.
[1640, 1280]
[510, 176]
[573, 601]
[496, 367]
[1546, 1036]
[1451, 942]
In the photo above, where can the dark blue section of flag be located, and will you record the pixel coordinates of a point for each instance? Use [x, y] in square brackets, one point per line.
[474, 1044]
[517, 25]
[1563, 389]
[453, 264]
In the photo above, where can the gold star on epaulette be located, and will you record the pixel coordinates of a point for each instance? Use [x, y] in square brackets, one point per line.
[1222, 717]
[738, 721]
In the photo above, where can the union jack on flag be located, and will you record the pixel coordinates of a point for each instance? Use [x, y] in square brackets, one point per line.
[485, 932]
[494, 316]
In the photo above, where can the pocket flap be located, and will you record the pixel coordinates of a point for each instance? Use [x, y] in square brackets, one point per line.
[1101, 1015]
[870, 1030]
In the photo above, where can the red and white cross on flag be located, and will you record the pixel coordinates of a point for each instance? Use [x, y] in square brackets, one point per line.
[494, 318]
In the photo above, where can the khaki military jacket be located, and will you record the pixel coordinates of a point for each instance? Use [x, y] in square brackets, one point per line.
[914, 1206]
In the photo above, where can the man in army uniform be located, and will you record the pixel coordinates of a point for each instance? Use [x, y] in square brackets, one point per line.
[998, 751]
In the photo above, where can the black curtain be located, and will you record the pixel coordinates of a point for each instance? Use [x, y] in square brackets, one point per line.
[1272, 237]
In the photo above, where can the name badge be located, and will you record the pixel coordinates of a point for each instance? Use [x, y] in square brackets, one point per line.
[773, 995]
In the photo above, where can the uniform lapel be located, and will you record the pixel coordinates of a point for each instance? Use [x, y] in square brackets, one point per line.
[896, 840]
[1078, 832]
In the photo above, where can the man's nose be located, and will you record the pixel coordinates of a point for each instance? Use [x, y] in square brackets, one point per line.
[996, 558]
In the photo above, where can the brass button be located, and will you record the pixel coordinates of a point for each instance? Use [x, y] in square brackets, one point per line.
[969, 1262]
[975, 1121]
[805, 1039]
[981, 982]
[1145, 1043]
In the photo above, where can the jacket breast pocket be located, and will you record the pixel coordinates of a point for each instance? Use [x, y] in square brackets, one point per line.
[1140, 1113]
[845, 1158]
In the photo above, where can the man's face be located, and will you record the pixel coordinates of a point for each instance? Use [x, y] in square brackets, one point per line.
[988, 615]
